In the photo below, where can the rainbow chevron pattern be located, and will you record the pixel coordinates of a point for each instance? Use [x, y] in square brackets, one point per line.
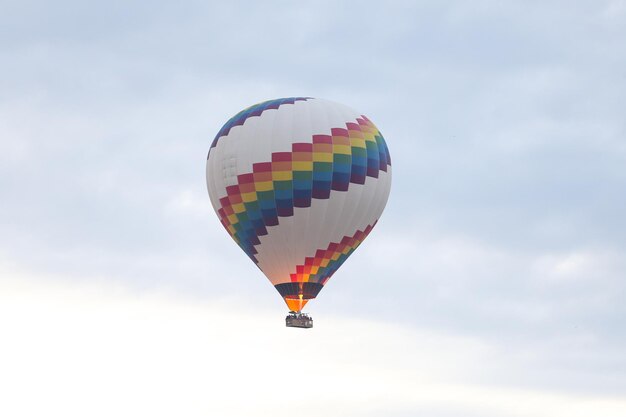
[292, 179]
[325, 263]
[256, 110]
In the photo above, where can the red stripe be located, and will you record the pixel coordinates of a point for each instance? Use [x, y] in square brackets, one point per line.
[302, 147]
[337, 131]
[262, 167]
[245, 178]
[281, 156]
[322, 139]
[353, 126]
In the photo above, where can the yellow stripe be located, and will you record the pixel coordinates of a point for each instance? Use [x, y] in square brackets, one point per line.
[322, 157]
[342, 149]
[358, 142]
[238, 208]
[233, 219]
[249, 197]
[302, 165]
[282, 175]
[335, 256]
[370, 138]
[264, 186]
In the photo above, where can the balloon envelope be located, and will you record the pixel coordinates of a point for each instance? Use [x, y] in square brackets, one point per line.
[298, 183]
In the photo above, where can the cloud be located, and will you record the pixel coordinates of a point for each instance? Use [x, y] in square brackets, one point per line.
[503, 234]
[99, 350]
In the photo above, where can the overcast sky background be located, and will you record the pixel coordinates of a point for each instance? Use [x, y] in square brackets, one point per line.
[493, 285]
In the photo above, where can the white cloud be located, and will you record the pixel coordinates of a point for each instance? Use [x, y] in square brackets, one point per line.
[614, 9]
[579, 265]
[190, 202]
[99, 350]
[506, 127]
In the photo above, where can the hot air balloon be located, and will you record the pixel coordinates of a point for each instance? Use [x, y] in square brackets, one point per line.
[298, 183]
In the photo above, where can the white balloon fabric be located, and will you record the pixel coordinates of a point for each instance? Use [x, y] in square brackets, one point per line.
[298, 183]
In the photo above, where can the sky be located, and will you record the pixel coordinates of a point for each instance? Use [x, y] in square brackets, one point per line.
[492, 286]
